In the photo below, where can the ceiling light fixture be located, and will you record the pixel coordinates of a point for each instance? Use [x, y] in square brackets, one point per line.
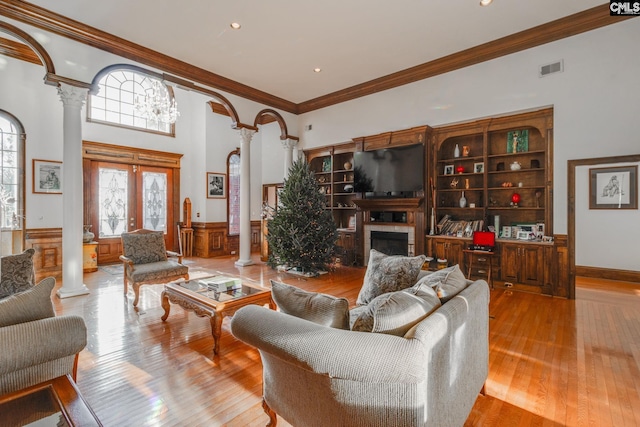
[317, 70]
[157, 106]
[485, 2]
[235, 25]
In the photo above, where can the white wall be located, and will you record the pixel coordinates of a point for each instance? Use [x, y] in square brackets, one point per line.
[596, 102]
[603, 232]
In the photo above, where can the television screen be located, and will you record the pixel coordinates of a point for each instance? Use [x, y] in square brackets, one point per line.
[396, 171]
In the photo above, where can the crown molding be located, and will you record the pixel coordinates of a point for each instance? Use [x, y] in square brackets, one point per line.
[18, 50]
[30, 14]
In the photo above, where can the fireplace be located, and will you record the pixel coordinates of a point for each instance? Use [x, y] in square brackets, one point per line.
[390, 243]
[406, 232]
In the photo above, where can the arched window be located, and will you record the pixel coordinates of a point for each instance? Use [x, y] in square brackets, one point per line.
[11, 182]
[119, 101]
[233, 199]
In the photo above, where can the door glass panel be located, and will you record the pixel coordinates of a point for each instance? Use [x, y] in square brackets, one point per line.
[154, 196]
[112, 189]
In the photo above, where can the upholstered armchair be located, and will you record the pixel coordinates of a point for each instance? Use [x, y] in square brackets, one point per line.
[37, 345]
[146, 261]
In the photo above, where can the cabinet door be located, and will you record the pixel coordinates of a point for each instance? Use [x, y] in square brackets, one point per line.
[440, 248]
[510, 262]
[531, 265]
[454, 253]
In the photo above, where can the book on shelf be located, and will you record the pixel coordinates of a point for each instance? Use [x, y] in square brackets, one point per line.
[221, 283]
[460, 228]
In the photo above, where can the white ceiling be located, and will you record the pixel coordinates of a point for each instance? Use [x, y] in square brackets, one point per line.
[282, 41]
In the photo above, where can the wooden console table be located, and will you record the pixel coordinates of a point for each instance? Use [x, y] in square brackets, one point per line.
[57, 396]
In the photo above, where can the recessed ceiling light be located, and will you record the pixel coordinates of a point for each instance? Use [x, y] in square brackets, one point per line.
[485, 2]
[235, 25]
[317, 70]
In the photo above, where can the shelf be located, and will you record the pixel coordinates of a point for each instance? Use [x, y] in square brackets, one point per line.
[511, 171]
[447, 190]
[515, 187]
[460, 159]
[519, 153]
[511, 208]
[453, 175]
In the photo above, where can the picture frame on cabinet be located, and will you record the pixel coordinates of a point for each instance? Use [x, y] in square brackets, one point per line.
[506, 232]
[613, 187]
[216, 186]
[522, 235]
[518, 141]
[478, 167]
[448, 170]
[47, 176]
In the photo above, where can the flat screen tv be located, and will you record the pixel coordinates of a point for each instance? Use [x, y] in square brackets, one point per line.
[389, 172]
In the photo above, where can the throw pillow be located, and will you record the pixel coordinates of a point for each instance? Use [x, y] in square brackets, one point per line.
[388, 273]
[17, 273]
[395, 313]
[447, 282]
[318, 308]
[32, 304]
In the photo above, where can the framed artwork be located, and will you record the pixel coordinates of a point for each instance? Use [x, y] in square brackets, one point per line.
[613, 187]
[47, 176]
[518, 141]
[216, 185]
[448, 170]
[478, 167]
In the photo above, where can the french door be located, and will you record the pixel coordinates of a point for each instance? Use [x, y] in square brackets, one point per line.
[125, 197]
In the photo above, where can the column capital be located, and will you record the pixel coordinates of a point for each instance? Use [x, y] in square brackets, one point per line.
[72, 95]
[246, 134]
[289, 143]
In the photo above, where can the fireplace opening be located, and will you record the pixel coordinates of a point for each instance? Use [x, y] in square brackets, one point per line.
[390, 243]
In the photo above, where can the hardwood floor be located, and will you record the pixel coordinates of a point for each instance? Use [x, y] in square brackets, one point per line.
[553, 362]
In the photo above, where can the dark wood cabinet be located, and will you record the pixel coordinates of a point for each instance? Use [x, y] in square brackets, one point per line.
[523, 263]
[448, 248]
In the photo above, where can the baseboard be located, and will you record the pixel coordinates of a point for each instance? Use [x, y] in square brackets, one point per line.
[608, 273]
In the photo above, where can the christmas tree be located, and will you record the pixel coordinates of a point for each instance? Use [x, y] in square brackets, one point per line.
[302, 234]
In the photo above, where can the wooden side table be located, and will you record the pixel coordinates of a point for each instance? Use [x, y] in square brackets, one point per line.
[90, 257]
[480, 262]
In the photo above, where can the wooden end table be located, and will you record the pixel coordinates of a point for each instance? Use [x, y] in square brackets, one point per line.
[482, 260]
[58, 398]
[196, 296]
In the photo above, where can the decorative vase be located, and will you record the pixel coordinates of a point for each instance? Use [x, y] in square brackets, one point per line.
[463, 201]
[347, 165]
[456, 151]
[87, 235]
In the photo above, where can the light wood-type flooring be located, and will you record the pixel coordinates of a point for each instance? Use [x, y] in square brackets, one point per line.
[553, 362]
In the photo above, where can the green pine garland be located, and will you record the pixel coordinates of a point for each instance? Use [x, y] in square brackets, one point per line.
[302, 233]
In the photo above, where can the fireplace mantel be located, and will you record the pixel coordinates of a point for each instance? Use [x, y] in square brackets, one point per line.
[399, 204]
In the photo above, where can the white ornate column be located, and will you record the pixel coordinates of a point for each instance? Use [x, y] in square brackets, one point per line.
[245, 197]
[288, 145]
[73, 99]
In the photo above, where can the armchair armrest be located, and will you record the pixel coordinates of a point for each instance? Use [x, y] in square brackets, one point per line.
[176, 255]
[126, 260]
[356, 356]
[40, 341]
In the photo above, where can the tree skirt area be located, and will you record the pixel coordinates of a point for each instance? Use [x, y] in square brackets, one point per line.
[299, 272]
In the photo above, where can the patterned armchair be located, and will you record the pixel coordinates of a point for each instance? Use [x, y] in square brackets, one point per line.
[16, 273]
[146, 261]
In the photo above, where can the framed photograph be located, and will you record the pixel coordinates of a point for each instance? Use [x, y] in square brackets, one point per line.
[216, 185]
[613, 188]
[448, 169]
[478, 167]
[522, 235]
[352, 221]
[518, 141]
[506, 231]
[47, 176]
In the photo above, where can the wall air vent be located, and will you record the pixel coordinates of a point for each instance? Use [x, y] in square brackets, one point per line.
[556, 67]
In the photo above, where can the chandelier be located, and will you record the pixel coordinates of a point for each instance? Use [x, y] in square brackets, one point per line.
[157, 106]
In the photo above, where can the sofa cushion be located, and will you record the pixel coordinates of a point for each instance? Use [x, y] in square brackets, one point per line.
[319, 308]
[388, 273]
[159, 271]
[447, 282]
[394, 313]
[32, 304]
[17, 273]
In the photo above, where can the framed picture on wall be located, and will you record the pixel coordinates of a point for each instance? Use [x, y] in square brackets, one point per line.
[47, 176]
[613, 187]
[216, 185]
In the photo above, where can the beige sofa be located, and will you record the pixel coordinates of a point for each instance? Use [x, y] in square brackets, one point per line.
[314, 375]
[37, 345]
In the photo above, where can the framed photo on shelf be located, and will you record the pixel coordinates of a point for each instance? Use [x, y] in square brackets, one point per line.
[47, 176]
[613, 187]
[216, 186]
[478, 167]
[506, 232]
[522, 235]
[518, 141]
[448, 169]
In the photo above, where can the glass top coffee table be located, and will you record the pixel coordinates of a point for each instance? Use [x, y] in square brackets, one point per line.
[215, 297]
